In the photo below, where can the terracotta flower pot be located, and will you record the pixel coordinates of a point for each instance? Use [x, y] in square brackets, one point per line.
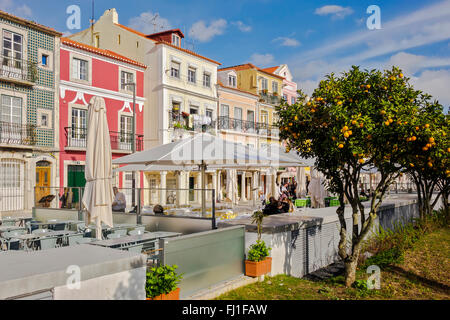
[174, 295]
[256, 269]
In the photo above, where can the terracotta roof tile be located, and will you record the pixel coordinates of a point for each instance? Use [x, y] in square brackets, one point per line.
[30, 23]
[236, 89]
[251, 66]
[188, 51]
[102, 52]
[166, 43]
[166, 31]
[272, 69]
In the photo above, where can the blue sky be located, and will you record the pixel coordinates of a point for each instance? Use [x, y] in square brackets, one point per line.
[313, 37]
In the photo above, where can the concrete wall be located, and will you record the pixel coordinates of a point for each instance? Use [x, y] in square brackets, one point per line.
[307, 249]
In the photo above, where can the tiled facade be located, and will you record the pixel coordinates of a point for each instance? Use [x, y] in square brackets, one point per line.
[28, 143]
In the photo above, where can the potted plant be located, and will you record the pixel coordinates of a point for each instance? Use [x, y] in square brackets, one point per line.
[177, 125]
[162, 283]
[258, 262]
[185, 114]
[265, 91]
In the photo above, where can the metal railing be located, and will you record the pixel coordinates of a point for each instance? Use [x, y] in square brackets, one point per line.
[226, 123]
[18, 69]
[178, 121]
[269, 98]
[122, 141]
[17, 134]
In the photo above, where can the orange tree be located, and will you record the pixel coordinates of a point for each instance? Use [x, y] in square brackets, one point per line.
[353, 122]
[428, 154]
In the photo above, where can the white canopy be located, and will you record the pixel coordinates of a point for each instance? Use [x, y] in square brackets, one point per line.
[98, 193]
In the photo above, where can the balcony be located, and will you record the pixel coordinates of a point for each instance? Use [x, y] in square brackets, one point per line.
[180, 122]
[262, 129]
[120, 141]
[14, 134]
[18, 71]
[268, 98]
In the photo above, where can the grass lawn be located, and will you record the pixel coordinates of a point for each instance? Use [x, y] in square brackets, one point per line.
[424, 274]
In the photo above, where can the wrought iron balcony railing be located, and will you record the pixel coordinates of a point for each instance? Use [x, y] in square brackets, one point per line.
[120, 141]
[264, 129]
[17, 134]
[178, 121]
[269, 98]
[18, 70]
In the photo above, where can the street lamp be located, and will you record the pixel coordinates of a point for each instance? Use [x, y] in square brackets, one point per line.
[133, 139]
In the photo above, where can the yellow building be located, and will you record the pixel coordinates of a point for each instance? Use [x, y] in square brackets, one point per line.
[267, 86]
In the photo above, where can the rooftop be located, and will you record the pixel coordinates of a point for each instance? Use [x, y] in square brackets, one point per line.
[30, 24]
[250, 66]
[102, 52]
[150, 37]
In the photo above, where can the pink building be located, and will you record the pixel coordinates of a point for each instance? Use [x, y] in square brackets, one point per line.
[289, 86]
[86, 72]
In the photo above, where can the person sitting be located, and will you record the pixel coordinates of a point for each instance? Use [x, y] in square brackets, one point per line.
[272, 207]
[120, 203]
[158, 210]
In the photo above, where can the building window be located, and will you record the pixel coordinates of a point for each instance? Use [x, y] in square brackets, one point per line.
[224, 110]
[176, 40]
[274, 87]
[44, 120]
[285, 97]
[191, 75]
[193, 110]
[137, 44]
[11, 111]
[118, 39]
[44, 60]
[97, 41]
[209, 113]
[78, 123]
[126, 125]
[207, 80]
[12, 49]
[126, 77]
[264, 117]
[80, 69]
[293, 100]
[264, 84]
[232, 81]
[175, 70]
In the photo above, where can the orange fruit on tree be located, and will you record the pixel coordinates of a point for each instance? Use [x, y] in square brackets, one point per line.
[417, 128]
[390, 120]
[368, 86]
[346, 135]
[361, 161]
[413, 138]
[448, 150]
[345, 128]
[431, 140]
[411, 165]
[383, 112]
[340, 146]
[295, 118]
[427, 126]
[361, 125]
[353, 122]
[387, 123]
[425, 149]
[339, 103]
[350, 132]
[401, 75]
[430, 164]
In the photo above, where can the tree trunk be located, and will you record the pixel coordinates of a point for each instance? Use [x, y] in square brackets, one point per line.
[350, 271]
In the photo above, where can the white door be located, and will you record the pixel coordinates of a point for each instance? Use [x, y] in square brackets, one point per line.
[12, 185]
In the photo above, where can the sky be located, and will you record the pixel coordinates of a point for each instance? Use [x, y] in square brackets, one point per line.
[313, 38]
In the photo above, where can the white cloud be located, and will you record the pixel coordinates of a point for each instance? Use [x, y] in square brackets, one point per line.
[436, 83]
[287, 42]
[243, 27]
[21, 11]
[149, 22]
[411, 63]
[262, 60]
[337, 12]
[203, 33]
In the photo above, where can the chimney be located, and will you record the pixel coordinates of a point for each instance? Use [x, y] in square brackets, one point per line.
[111, 14]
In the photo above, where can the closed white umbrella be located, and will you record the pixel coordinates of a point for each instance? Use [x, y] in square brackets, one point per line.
[98, 193]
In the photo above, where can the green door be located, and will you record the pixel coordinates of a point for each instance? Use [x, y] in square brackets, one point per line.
[75, 178]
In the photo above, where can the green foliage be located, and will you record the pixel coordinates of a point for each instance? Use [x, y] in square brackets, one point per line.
[258, 251]
[360, 285]
[162, 280]
[386, 258]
